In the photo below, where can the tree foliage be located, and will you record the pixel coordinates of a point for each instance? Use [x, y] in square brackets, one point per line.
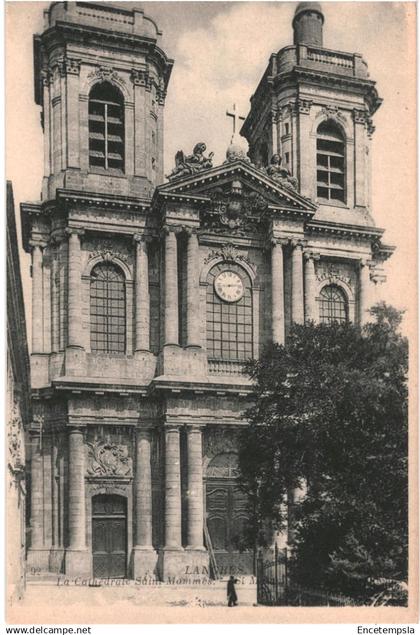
[330, 414]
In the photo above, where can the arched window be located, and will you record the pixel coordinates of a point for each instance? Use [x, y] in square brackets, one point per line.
[229, 313]
[107, 309]
[333, 305]
[106, 128]
[330, 164]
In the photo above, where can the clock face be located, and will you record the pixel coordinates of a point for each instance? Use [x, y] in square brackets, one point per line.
[229, 286]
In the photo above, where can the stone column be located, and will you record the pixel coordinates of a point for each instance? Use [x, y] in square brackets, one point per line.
[364, 295]
[311, 313]
[77, 562]
[193, 292]
[195, 488]
[142, 295]
[171, 288]
[297, 283]
[277, 292]
[37, 297]
[74, 278]
[143, 490]
[144, 557]
[172, 489]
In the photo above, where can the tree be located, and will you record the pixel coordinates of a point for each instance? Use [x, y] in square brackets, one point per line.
[330, 412]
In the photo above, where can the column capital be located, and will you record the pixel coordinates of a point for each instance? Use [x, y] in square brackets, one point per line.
[57, 237]
[303, 106]
[172, 229]
[190, 231]
[172, 427]
[74, 231]
[47, 77]
[139, 77]
[142, 238]
[144, 431]
[311, 255]
[366, 262]
[37, 243]
[298, 242]
[278, 240]
[76, 427]
[194, 427]
[69, 66]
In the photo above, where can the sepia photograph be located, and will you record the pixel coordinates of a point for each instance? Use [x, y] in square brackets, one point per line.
[211, 312]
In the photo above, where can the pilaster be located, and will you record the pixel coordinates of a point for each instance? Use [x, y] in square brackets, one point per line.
[277, 292]
[171, 328]
[75, 353]
[364, 292]
[193, 291]
[297, 282]
[311, 313]
[39, 550]
[142, 294]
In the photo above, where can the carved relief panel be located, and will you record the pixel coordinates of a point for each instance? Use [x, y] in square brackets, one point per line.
[109, 452]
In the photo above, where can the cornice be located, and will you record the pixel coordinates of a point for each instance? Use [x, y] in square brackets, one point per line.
[117, 39]
[166, 384]
[112, 201]
[291, 213]
[79, 386]
[383, 252]
[355, 231]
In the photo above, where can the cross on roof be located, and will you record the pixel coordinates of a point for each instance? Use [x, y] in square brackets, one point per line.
[237, 118]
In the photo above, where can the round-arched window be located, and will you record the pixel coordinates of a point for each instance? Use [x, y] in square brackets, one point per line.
[330, 154]
[333, 305]
[107, 309]
[229, 313]
[106, 128]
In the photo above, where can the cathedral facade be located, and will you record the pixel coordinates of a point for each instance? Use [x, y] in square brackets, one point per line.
[149, 296]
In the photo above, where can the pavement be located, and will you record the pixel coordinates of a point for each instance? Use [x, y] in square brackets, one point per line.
[60, 599]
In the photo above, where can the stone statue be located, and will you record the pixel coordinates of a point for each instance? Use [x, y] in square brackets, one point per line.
[235, 152]
[192, 163]
[281, 175]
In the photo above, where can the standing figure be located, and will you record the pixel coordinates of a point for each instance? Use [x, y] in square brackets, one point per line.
[231, 591]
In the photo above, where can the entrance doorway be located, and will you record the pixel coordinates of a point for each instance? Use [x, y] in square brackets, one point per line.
[227, 516]
[109, 536]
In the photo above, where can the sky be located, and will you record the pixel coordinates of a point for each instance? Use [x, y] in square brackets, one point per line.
[221, 50]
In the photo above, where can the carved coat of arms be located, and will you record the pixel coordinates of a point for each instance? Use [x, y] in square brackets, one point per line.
[235, 209]
[108, 459]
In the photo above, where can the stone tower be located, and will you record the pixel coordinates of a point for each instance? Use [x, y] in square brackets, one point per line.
[101, 80]
[314, 107]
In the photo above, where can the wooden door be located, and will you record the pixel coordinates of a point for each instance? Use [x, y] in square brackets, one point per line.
[227, 518]
[109, 536]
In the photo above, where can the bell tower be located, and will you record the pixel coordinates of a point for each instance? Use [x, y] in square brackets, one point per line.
[101, 80]
[314, 108]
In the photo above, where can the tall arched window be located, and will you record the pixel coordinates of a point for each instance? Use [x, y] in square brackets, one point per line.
[229, 313]
[106, 128]
[107, 309]
[333, 305]
[330, 163]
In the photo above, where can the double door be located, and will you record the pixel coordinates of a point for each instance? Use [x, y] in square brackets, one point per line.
[227, 519]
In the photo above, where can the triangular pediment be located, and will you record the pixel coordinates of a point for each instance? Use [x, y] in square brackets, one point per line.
[254, 183]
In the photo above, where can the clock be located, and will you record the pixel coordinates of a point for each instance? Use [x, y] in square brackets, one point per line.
[229, 286]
